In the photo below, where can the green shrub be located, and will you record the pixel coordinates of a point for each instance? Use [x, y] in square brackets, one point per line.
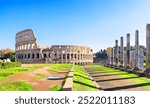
[10, 64]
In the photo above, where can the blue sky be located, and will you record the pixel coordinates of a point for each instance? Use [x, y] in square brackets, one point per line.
[95, 23]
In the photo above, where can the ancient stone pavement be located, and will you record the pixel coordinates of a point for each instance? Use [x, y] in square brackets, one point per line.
[114, 82]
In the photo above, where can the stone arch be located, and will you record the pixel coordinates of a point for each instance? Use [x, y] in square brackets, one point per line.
[33, 56]
[38, 55]
[68, 56]
[21, 56]
[28, 55]
[45, 55]
[25, 56]
[49, 55]
[64, 56]
[75, 56]
[71, 56]
[55, 54]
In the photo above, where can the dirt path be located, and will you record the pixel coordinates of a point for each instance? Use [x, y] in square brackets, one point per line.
[114, 82]
[38, 84]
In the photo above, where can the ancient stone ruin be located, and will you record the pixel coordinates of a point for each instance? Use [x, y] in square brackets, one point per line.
[130, 58]
[28, 51]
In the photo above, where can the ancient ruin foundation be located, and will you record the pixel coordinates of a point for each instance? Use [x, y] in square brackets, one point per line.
[28, 51]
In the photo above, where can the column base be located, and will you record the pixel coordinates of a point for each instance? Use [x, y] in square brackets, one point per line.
[136, 69]
[128, 69]
[147, 72]
[121, 67]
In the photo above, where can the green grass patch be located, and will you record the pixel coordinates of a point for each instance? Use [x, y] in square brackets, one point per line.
[56, 88]
[55, 68]
[5, 75]
[16, 86]
[10, 65]
[39, 76]
[53, 71]
[133, 77]
[81, 81]
[17, 70]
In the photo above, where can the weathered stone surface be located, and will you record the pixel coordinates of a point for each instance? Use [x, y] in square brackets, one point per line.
[128, 51]
[136, 47]
[140, 59]
[147, 71]
[132, 58]
[109, 52]
[121, 51]
[125, 59]
[112, 56]
[116, 53]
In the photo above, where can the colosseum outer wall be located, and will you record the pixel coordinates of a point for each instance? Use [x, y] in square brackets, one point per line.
[27, 51]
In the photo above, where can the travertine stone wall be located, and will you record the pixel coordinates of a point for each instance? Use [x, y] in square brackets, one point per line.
[27, 51]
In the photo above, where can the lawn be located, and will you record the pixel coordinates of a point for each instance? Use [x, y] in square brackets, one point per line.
[16, 86]
[6, 73]
[81, 80]
[123, 74]
[54, 69]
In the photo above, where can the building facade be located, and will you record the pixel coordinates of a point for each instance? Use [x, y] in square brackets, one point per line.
[28, 51]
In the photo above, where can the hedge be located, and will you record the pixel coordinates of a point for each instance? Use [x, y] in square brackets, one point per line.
[10, 64]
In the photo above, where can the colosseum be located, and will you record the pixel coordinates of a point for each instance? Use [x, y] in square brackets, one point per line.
[28, 51]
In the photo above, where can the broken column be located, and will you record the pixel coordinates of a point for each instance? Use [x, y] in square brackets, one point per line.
[121, 51]
[136, 51]
[128, 51]
[116, 53]
[147, 71]
[109, 51]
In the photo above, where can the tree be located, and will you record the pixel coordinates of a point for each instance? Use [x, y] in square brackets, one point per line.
[101, 56]
[10, 55]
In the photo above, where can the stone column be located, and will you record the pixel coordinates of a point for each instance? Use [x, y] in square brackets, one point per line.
[112, 56]
[116, 53]
[121, 51]
[136, 51]
[66, 56]
[128, 51]
[125, 59]
[141, 59]
[62, 56]
[73, 56]
[147, 71]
